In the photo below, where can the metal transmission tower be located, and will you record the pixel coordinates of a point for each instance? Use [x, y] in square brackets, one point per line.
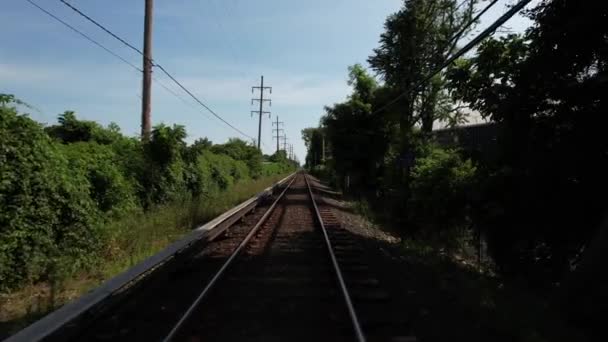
[261, 111]
[278, 130]
[284, 138]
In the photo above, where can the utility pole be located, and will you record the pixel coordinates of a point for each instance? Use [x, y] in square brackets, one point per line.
[146, 96]
[261, 111]
[278, 130]
[284, 138]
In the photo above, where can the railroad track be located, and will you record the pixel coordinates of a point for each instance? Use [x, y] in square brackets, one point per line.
[276, 282]
[288, 271]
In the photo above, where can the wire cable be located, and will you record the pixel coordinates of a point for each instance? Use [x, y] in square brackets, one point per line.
[101, 26]
[85, 36]
[200, 102]
[471, 22]
[487, 32]
[164, 86]
[158, 66]
[181, 98]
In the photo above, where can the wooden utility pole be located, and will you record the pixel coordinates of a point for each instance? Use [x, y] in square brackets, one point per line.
[261, 111]
[278, 130]
[146, 124]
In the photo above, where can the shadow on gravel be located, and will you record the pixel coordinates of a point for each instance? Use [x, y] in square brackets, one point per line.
[445, 300]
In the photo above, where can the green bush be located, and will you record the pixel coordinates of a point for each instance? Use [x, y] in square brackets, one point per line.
[441, 184]
[61, 184]
[47, 215]
[164, 178]
[240, 171]
[221, 169]
[274, 168]
[202, 178]
[109, 185]
[238, 149]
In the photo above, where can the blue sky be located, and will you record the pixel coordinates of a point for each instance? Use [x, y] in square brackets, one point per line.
[217, 48]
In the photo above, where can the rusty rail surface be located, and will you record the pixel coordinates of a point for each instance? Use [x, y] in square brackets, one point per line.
[347, 298]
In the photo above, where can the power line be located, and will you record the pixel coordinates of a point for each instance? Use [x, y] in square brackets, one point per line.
[487, 32]
[164, 86]
[176, 95]
[471, 22]
[101, 27]
[200, 102]
[157, 65]
[85, 36]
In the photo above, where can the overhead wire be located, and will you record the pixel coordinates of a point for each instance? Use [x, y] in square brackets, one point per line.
[200, 102]
[470, 22]
[101, 27]
[164, 86]
[158, 66]
[172, 92]
[485, 33]
[85, 36]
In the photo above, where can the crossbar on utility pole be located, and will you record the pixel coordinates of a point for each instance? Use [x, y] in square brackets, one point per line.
[278, 130]
[261, 111]
[146, 96]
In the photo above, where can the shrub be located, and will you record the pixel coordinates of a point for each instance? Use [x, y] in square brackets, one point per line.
[47, 214]
[440, 192]
[240, 171]
[201, 178]
[109, 185]
[239, 150]
[59, 185]
[164, 177]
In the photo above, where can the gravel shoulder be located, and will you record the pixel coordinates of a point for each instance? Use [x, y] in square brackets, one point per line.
[442, 298]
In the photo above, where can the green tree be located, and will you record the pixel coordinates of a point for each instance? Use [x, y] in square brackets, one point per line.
[313, 140]
[357, 139]
[47, 218]
[239, 149]
[164, 178]
[70, 129]
[416, 40]
[547, 90]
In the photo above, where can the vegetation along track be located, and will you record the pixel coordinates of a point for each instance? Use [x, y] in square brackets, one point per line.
[286, 272]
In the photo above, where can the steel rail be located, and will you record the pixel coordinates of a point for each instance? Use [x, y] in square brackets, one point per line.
[349, 304]
[225, 266]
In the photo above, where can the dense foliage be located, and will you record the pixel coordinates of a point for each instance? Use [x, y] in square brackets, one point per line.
[60, 184]
[441, 188]
[536, 202]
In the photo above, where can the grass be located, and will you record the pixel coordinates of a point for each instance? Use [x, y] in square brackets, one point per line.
[129, 240]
